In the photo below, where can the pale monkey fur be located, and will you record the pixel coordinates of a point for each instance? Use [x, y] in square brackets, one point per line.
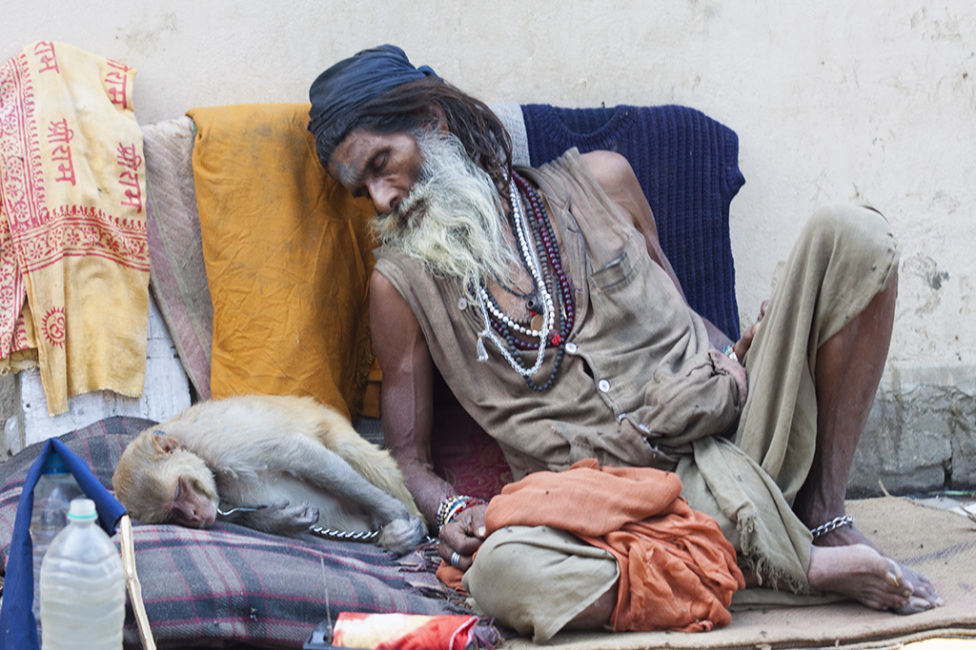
[299, 457]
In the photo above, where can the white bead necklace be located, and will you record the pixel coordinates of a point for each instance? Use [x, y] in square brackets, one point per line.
[525, 331]
[548, 311]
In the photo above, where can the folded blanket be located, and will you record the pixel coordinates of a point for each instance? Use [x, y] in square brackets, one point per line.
[73, 222]
[288, 257]
[178, 277]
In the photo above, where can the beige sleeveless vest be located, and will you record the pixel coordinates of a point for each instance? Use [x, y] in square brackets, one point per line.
[636, 384]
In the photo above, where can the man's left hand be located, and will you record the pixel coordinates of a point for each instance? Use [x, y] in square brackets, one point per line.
[463, 535]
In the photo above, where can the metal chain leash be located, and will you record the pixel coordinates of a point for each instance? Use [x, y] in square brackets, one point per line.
[364, 536]
[345, 535]
[355, 536]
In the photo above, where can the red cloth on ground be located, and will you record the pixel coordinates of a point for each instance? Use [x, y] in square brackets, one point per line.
[677, 570]
[403, 631]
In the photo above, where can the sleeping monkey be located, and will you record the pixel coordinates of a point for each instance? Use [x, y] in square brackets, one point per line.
[294, 461]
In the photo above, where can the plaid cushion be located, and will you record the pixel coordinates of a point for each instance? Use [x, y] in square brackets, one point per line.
[231, 585]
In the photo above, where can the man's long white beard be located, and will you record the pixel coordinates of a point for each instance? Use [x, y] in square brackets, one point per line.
[451, 221]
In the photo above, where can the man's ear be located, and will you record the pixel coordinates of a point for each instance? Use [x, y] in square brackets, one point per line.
[438, 117]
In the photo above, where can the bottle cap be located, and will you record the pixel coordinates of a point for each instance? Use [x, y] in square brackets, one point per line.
[83, 509]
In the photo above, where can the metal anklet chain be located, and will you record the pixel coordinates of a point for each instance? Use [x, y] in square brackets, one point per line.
[832, 525]
[345, 535]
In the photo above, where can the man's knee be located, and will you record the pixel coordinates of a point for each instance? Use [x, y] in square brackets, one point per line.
[851, 225]
[859, 236]
[537, 579]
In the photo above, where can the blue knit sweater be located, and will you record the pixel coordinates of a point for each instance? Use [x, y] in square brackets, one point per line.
[687, 164]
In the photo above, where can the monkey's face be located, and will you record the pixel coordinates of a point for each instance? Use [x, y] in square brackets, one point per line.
[194, 500]
[158, 482]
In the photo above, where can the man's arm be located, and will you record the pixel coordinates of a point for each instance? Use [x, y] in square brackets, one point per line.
[618, 180]
[407, 410]
[407, 395]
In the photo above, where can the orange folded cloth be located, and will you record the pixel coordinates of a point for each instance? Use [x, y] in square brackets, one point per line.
[677, 570]
[404, 631]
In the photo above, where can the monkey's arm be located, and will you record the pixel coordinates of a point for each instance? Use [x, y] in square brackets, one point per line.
[407, 397]
[280, 517]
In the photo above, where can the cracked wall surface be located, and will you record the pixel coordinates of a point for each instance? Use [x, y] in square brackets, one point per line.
[832, 102]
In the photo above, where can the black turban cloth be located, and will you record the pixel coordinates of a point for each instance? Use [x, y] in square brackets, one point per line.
[350, 83]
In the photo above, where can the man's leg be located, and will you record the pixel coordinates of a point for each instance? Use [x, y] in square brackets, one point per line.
[540, 580]
[833, 305]
[848, 370]
[847, 374]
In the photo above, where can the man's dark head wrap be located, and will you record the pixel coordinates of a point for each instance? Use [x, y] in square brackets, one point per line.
[349, 84]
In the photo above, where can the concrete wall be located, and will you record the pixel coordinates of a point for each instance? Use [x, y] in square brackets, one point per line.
[833, 101]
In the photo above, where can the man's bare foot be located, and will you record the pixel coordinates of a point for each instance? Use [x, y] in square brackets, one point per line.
[922, 589]
[863, 574]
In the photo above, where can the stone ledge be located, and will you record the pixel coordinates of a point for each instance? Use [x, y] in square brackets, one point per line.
[920, 435]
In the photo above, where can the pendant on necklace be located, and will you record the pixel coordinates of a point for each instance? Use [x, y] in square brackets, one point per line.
[536, 322]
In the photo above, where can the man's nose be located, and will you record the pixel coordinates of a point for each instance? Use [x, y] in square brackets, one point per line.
[385, 197]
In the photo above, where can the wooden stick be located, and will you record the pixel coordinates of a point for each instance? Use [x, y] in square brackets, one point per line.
[132, 583]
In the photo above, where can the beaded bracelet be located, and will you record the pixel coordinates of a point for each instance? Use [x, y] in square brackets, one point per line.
[729, 351]
[471, 502]
[451, 506]
[442, 509]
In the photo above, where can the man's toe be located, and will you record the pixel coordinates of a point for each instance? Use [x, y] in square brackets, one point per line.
[914, 606]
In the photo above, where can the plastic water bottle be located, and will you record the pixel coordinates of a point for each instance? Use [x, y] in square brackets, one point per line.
[53, 493]
[82, 586]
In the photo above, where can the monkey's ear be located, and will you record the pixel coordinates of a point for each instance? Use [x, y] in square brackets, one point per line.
[164, 444]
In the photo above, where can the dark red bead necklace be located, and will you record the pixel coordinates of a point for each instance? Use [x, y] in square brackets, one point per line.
[547, 249]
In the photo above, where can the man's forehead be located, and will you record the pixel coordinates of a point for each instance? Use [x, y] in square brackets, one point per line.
[349, 159]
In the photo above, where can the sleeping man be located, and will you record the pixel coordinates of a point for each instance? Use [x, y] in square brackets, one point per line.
[545, 300]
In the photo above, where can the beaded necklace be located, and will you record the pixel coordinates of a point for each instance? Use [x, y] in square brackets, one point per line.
[548, 247]
[545, 269]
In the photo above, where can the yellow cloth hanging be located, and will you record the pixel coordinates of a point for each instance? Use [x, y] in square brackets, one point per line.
[72, 222]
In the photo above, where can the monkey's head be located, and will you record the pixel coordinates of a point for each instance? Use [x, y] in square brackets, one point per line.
[159, 481]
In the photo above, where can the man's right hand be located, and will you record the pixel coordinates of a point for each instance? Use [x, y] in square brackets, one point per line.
[463, 535]
[745, 341]
[735, 369]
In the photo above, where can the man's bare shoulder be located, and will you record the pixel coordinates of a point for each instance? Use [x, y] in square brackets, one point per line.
[384, 296]
[611, 170]
[617, 178]
[380, 284]
[396, 332]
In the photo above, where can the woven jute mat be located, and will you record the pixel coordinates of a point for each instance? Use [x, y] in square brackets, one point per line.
[934, 542]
